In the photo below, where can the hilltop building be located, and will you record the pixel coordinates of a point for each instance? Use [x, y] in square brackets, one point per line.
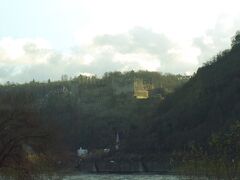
[141, 89]
[136, 87]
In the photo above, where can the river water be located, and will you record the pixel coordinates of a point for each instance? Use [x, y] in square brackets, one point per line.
[114, 177]
[123, 177]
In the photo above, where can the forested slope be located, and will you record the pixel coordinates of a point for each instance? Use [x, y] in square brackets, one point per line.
[208, 103]
[56, 118]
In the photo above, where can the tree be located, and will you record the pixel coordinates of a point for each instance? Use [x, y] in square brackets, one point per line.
[18, 127]
[64, 77]
[236, 40]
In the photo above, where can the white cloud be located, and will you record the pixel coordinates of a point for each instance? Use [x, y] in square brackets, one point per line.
[22, 60]
[21, 50]
[217, 38]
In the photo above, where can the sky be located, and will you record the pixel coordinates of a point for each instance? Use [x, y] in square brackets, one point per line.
[44, 39]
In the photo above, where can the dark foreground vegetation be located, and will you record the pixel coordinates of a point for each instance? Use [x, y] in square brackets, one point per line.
[199, 123]
[43, 124]
[192, 125]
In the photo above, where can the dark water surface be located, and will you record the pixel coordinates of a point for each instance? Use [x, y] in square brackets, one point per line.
[123, 177]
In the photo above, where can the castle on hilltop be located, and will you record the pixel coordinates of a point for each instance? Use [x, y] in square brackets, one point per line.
[136, 87]
[141, 89]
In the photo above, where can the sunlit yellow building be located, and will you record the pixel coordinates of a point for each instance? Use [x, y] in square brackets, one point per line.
[137, 87]
[141, 89]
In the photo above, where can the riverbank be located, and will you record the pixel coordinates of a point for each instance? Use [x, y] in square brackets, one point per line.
[123, 167]
[128, 177]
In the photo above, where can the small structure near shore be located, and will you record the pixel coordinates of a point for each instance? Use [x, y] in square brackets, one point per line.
[82, 152]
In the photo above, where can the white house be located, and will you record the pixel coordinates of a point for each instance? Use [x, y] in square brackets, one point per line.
[82, 152]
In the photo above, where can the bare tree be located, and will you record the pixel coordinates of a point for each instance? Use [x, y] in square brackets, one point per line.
[18, 126]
